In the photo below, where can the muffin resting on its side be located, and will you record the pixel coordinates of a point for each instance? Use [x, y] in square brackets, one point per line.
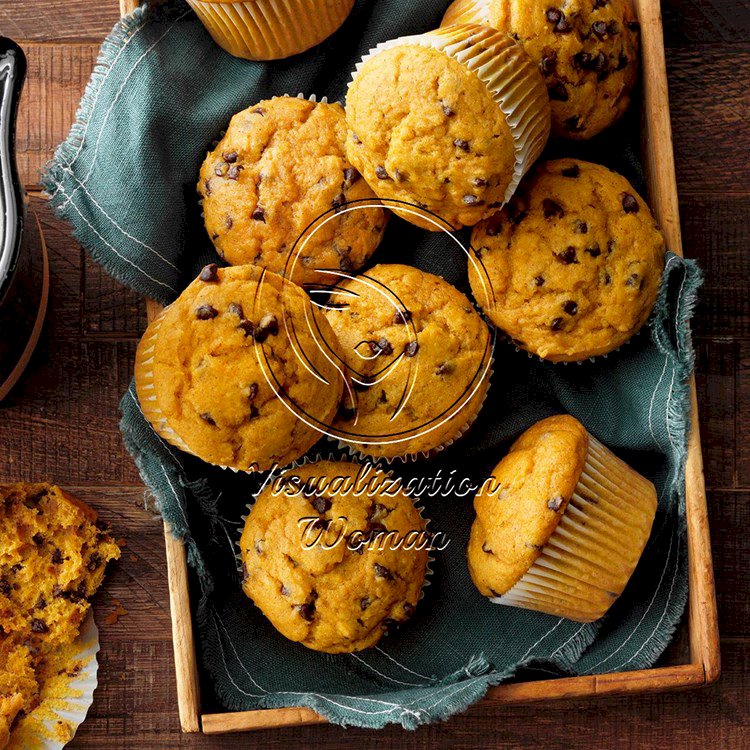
[561, 523]
[446, 121]
[418, 355]
[238, 371]
[281, 166]
[570, 268]
[331, 566]
[587, 51]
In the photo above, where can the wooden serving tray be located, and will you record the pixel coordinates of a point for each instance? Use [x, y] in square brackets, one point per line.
[703, 666]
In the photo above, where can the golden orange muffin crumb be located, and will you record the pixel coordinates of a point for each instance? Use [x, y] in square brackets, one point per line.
[561, 523]
[331, 566]
[570, 269]
[279, 168]
[587, 51]
[418, 354]
[238, 370]
[53, 553]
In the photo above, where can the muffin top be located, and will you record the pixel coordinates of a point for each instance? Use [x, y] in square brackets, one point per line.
[418, 354]
[318, 563]
[237, 370]
[278, 169]
[520, 505]
[54, 552]
[426, 130]
[572, 263]
[587, 51]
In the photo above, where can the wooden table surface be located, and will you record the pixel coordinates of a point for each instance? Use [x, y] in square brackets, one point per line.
[61, 422]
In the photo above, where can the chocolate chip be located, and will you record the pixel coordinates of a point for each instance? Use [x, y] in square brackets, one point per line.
[321, 504]
[572, 171]
[594, 251]
[39, 626]
[208, 419]
[355, 138]
[338, 201]
[41, 602]
[411, 349]
[567, 256]
[5, 587]
[622, 61]
[252, 392]
[398, 175]
[401, 317]
[560, 25]
[444, 369]
[268, 326]
[346, 412]
[447, 110]
[580, 227]
[306, 611]
[321, 523]
[557, 92]
[57, 556]
[556, 503]
[230, 157]
[381, 173]
[471, 200]
[364, 603]
[380, 347]
[234, 171]
[209, 273]
[486, 549]
[554, 15]
[494, 225]
[613, 28]
[382, 572]
[633, 280]
[552, 208]
[479, 182]
[408, 609]
[548, 63]
[351, 175]
[600, 3]
[258, 111]
[556, 324]
[206, 312]
[95, 562]
[573, 124]
[254, 413]
[38, 539]
[461, 143]
[220, 169]
[539, 280]
[247, 327]
[607, 279]
[600, 66]
[582, 60]
[285, 591]
[236, 309]
[570, 307]
[599, 28]
[260, 546]
[633, 25]
[630, 204]
[207, 187]
[258, 214]
[382, 398]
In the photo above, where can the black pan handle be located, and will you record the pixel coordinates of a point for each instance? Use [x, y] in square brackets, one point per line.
[12, 208]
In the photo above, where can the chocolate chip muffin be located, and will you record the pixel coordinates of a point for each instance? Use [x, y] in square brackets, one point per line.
[587, 51]
[280, 168]
[446, 122]
[237, 370]
[334, 563]
[570, 269]
[560, 524]
[418, 355]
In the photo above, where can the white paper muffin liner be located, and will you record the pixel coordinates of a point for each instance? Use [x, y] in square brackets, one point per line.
[515, 83]
[66, 701]
[419, 507]
[467, 11]
[270, 29]
[590, 556]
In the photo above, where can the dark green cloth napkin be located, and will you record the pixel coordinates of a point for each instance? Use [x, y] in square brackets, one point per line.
[125, 179]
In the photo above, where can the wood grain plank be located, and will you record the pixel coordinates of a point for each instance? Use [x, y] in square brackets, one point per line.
[742, 406]
[131, 711]
[57, 20]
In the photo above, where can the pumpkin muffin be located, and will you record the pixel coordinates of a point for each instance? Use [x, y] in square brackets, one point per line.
[53, 553]
[238, 370]
[418, 355]
[587, 51]
[270, 30]
[561, 523]
[279, 168]
[331, 566]
[446, 122]
[569, 269]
